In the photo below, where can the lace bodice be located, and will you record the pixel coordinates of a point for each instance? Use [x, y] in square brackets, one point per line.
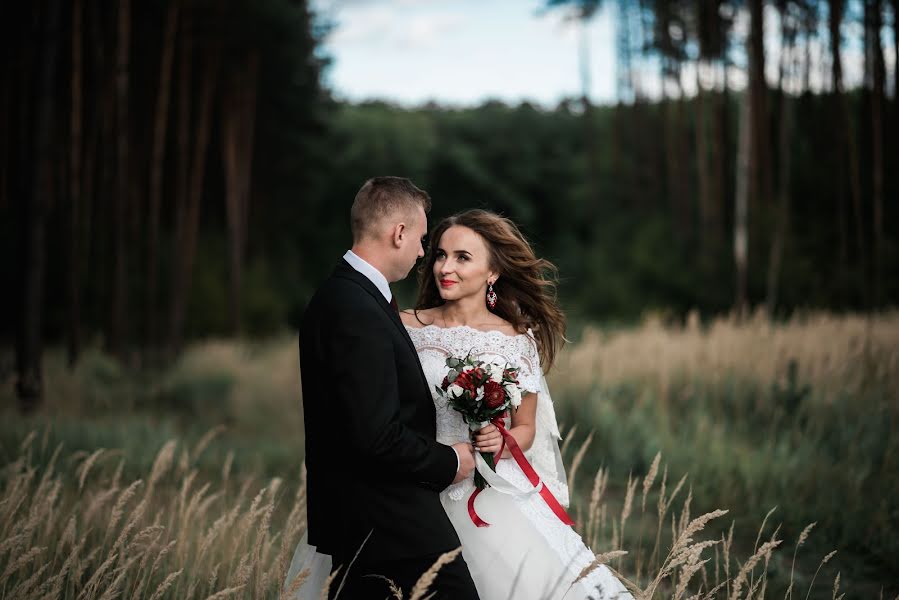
[435, 344]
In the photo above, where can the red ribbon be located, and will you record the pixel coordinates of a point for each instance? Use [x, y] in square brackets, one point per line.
[529, 472]
[477, 520]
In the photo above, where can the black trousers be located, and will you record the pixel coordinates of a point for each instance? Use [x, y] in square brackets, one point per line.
[367, 581]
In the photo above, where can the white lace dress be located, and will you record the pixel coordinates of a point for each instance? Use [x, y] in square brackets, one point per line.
[526, 552]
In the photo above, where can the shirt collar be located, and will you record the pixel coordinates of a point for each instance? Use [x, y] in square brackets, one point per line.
[371, 273]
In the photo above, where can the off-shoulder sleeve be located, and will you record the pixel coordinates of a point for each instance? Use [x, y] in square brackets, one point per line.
[529, 371]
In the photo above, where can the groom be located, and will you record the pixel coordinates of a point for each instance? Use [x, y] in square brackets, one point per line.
[374, 467]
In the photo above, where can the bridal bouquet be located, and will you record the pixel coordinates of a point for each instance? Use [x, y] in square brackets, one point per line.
[482, 392]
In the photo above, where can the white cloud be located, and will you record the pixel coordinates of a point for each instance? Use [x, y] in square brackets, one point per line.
[374, 26]
[361, 27]
[428, 30]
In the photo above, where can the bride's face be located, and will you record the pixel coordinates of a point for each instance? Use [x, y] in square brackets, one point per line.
[462, 264]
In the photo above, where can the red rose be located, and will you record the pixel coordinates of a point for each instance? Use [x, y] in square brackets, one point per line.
[445, 383]
[464, 381]
[494, 394]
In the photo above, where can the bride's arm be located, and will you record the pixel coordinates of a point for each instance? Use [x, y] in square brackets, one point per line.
[522, 429]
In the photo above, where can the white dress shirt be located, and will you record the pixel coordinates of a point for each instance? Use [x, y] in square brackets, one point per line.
[371, 273]
[377, 278]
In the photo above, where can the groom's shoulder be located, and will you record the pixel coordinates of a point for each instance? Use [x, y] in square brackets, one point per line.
[336, 300]
[341, 292]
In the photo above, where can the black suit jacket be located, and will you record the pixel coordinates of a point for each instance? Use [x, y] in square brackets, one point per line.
[372, 459]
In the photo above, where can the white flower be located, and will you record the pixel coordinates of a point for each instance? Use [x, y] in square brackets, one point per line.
[514, 393]
[496, 373]
[480, 395]
[454, 391]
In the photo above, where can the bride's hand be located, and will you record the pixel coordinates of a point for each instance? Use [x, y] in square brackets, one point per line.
[488, 439]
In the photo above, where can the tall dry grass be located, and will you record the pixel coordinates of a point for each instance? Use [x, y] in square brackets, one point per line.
[841, 354]
[74, 529]
[676, 555]
[800, 415]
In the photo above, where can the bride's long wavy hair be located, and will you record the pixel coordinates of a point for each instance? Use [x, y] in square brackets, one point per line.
[526, 288]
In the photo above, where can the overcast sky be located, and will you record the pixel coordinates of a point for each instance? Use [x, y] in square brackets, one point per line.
[462, 52]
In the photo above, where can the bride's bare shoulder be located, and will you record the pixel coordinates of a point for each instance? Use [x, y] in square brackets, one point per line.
[504, 326]
[417, 318]
[497, 323]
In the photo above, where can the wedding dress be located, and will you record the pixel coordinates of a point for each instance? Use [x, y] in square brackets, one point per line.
[526, 552]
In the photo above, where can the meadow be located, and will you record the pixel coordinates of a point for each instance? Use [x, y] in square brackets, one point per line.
[719, 459]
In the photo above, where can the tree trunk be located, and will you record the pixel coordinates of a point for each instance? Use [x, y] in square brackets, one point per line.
[6, 84]
[88, 182]
[99, 180]
[718, 166]
[682, 145]
[673, 104]
[877, 110]
[156, 166]
[834, 19]
[759, 169]
[895, 52]
[728, 168]
[191, 215]
[100, 184]
[183, 169]
[788, 35]
[847, 140]
[589, 118]
[810, 35]
[29, 384]
[74, 230]
[643, 41]
[741, 208]
[239, 117]
[584, 59]
[122, 200]
[623, 56]
[704, 171]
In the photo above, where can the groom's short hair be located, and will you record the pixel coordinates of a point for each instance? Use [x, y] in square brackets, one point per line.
[382, 197]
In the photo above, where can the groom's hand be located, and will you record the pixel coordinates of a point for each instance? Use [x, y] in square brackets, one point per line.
[466, 460]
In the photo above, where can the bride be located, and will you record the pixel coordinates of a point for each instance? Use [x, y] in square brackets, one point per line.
[483, 291]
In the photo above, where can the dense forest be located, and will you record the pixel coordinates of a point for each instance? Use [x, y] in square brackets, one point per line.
[177, 168]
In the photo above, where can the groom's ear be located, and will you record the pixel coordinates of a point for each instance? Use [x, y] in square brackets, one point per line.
[400, 232]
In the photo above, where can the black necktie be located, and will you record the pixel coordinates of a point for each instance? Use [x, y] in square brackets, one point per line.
[393, 304]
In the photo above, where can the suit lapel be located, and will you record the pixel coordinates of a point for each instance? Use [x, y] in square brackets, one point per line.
[348, 272]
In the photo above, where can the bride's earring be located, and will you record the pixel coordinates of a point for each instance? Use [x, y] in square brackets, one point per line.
[491, 296]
